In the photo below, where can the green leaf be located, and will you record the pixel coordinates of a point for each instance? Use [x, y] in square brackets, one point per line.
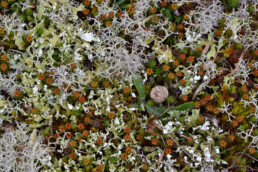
[37, 119]
[120, 2]
[185, 106]
[138, 82]
[171, 112]
[2, 103]
[194, 117]
[54, 40]
[152, 155]
[168, 14]
[75, 10]
[40, 10]
[212, 52]
[33, 137]
[157, 111]
[26, 79]
[19, 42]
[135, 105]
[163, 11]
[125, 6]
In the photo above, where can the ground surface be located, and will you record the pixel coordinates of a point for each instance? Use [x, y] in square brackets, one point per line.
[128, 85]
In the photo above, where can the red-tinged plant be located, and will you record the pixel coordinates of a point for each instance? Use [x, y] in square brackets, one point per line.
[73, 156]
[126, 90]
[68, 126]
[87, 120]
[42, 76]
[127, 137]
[251, 150]
[86, 161]
[174, 6]
[130, 10]
[61, 128]
[29, 38]
[223, 143]
[16, 93]
[49, 81]
[81, 126]
[153, 10]
[170, 142]
[99, 140]
[149, 71]
[166, 67]
[3, 57]
[182, 56]
[82, 99]
[85, 133]
[111, 115]
[129, 150]
[168, 151]
[124, 155]
[127, 129]
[68, 135]
[73, 143]
[154, 141]
[86, 11]
[56, 91]
[35, 110]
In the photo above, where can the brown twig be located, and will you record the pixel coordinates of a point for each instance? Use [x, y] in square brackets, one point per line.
[160, 159]
[223, 151]
[82, 152]
[181, 148]
[242, 153]
[185, 167]
[251, 157]
[238, 64]
[242, 166]
[206, 48]
[156, 117]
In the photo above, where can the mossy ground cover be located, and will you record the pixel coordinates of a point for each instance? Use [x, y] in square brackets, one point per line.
[128, 85]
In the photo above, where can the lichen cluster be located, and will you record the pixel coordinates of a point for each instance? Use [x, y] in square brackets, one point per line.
[128, 85]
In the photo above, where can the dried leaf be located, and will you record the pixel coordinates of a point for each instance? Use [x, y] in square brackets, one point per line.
[200, 87]
[160, 159]
[212, 119]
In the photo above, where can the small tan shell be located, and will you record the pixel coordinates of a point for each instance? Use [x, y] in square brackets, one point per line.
[159, 94]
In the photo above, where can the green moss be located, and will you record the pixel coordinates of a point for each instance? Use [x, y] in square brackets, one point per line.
[224, 117]
[113, 160]
[39, 31]
[185, 51]
[152, 63]
[29, 12]
[252, 119]
[46, 132]
[192, 53]
[221, 21]
[242, 127]
[56, 55]
[22, 17]
[46, 22]
[150, 102]
[171, 99]
[250, 9]
[30, 18]
[179, 19]
[239, 46]
[255, 133]
[148, 88]
[228, 33]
